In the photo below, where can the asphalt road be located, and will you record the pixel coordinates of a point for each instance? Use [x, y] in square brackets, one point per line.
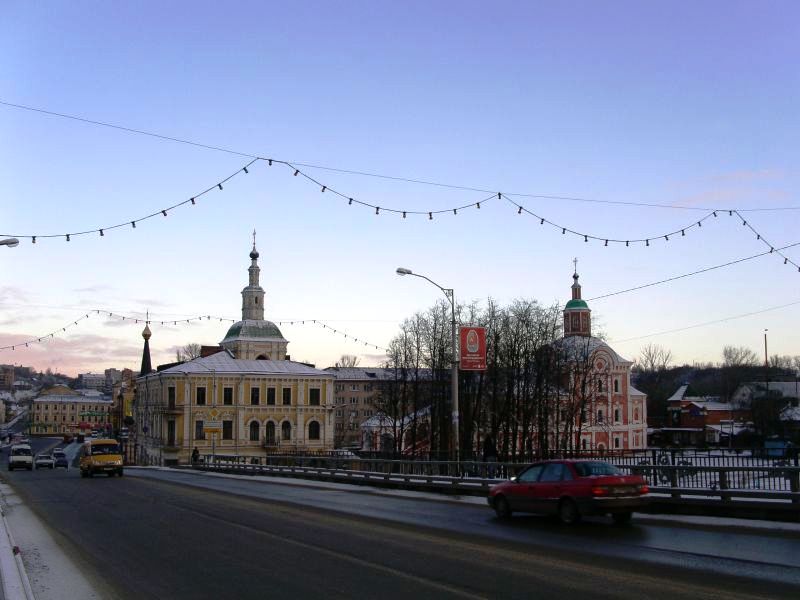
[148, 537]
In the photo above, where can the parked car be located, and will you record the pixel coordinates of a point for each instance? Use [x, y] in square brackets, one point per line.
[44, 461]
[60, 458]
[571, 489]
[20, 457]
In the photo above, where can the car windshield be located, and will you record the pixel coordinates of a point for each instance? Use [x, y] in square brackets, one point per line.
[588, 469]
[59, 455]
[21, 452]
[105, 449]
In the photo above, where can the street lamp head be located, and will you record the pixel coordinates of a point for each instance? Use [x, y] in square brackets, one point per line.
[10, 242]
[403, 271]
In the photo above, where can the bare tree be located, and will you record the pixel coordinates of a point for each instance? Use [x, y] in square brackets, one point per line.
[738, 356]
[654, 358]
[347, 361]
[187, 352]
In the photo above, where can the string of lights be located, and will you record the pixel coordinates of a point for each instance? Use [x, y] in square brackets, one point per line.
[132, 222]
[698, 272]
[363, 173]
[681, 232]
[150, 321]
[772, 249]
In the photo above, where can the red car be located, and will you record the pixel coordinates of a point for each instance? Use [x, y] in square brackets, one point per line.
[571, 489]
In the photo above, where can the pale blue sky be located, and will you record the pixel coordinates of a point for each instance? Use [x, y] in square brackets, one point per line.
[680, 103]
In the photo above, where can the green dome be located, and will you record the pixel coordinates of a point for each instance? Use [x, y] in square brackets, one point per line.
[252, 329]
[576, 304]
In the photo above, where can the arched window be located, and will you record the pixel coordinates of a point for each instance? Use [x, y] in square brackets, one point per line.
[616, 442]
[255, 431]
[616, 415]
[269, 434]
[600, 416]
[262, 357]
[599, 385]
[616, 386]
[286, 431]
[313, 430]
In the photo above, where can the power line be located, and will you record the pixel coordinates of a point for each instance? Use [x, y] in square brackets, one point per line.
[698, 272]
[725, 320]
[371, 174]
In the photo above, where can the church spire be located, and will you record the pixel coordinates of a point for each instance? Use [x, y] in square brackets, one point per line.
[146, 367]
[253, 294]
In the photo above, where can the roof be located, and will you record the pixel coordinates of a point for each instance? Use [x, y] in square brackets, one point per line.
[77, 399]
[578, 347]
[224, 362]
[710, 405]
[575, 304]
[361, 373]
[634, 392]
[254, 330]
[790, 413]
[679, 393]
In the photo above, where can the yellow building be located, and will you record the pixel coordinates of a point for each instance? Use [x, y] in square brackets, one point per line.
[60, 409]
[247, 399]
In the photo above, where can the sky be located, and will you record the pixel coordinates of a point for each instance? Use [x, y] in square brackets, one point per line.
[691, 106]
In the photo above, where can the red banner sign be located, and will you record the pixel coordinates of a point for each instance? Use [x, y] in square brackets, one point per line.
[473, 348]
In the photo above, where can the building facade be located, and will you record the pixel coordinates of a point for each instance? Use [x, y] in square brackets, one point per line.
[245, 399]
[60, 410]
[612, 413]
[357, 393]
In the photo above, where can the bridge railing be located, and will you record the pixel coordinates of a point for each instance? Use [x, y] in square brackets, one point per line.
[683, 479]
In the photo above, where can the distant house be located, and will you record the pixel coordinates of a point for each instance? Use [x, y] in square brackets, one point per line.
[700, 420]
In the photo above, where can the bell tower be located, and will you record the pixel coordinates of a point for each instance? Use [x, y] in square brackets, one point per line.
[577, 315]
[253, 294]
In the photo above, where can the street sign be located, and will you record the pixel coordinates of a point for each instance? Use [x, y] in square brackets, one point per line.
[212, 427]
[472, 348]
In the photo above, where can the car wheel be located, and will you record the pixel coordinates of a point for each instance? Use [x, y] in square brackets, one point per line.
[83, 473]
[119, 472]
[89, 473]
[622, 518]
[501, 508]
[568, 512]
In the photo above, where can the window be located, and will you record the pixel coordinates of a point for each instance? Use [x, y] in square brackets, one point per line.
[313, 396]
[171, 396]
[616, 442]
[199, 434]
[600, 416]
[170, 432]
[583, 444]
[599, 385]
[583, 415]
[616, 415]
[338, 413]
[227, 430]
[227, 396]
[255, 396]
[287, 396]
[200, 394]
[269, 434]
[353, 400]
[354, 388]
[313, 430]
[552, 472]
[616, 386]
[255, 431]
[286, 431]
[271, 396]
[531, 475]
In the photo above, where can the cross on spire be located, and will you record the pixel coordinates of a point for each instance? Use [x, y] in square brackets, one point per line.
[254, 238]
[575, 260]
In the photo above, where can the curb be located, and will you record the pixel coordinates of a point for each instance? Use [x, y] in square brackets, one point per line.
[16, 585]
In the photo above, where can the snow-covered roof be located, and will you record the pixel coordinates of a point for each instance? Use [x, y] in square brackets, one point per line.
[58, 399]
[224, 362]
[634, 392]
[679, 393]
[727, 429]
[361, 373]
[579, 347]
[790, 413]
[710, 405]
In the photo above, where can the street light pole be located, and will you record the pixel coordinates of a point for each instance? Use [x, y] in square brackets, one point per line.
[450, 295]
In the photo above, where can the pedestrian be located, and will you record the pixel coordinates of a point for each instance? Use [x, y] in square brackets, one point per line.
[490, 455]
[195, 456]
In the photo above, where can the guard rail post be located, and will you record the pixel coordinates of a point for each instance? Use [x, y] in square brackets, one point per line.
[673, 482]
[794, 485]
[722, 475]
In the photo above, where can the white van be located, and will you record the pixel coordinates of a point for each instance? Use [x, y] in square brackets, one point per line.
[20, 457]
